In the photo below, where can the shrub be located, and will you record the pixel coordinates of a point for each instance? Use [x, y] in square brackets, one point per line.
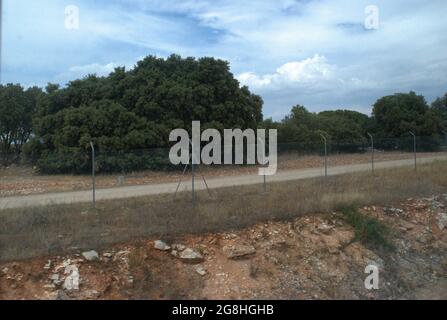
[368, 230]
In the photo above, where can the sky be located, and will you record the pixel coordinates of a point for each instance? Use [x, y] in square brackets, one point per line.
[323, 54]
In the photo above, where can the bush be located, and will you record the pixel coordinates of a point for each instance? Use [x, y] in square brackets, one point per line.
[368, 230]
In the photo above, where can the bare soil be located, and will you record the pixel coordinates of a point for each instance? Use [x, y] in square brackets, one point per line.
[310, 257]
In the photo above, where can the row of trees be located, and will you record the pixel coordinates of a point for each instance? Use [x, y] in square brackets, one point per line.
[137, 109]
[393, 117]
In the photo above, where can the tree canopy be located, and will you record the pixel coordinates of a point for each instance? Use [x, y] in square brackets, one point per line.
[137, 109]
[17, 107]
[343, 127]
[439, 107]
[400, 113]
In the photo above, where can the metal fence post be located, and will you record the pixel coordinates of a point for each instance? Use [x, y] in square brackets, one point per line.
[263, 159]
[325, 154]
[93, 174]
[372, 151]
[414, 150]
[193, 173]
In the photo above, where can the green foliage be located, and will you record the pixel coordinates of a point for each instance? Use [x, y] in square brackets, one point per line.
[136, 109]
[398, 114]
[368, 230]
[17, 107]
[439, 108]
[344, 129]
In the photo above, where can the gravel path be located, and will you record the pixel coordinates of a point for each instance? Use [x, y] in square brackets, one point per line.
[213, 183]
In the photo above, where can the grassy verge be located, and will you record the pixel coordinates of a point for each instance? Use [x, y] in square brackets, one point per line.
[30, 232]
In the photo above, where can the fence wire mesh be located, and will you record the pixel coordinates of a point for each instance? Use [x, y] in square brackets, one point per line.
[236, 197]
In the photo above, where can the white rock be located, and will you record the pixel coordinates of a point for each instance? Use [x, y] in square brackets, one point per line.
[201, 270]
[190, 255]
[54, 277]
[178, 247]
[72, 280]
[49, 286]
[160, 245]
[47, 266]
[91, 255]
[442, 220]
[91, 294]
[324, 228]
[238, 251]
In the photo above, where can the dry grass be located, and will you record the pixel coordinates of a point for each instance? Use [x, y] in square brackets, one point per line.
[30, 232]
[24, 180]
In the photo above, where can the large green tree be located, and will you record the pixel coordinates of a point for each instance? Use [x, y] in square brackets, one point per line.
[135, 110]
[396, 115]
[302, 129]
[439, 107]
[17, 107]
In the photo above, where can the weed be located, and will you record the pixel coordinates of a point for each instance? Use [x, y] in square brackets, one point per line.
[368, 230]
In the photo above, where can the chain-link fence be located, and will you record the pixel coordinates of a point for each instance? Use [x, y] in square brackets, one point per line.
[72, 170]
[133, 204]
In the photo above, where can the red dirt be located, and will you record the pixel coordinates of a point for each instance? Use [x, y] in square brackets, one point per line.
[311, 257]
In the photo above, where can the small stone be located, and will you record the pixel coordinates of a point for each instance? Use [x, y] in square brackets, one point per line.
[442, 220]
[324, 228]
[130, 282]
[107, 255]
[49, 286]
[238, 251]
[61, 295]
[393, 211]
[201, 270]
[47, 266]
[160, 245]
[91, 255]
[178, 247]
[190, 255]
[54, 277]
[91, 294]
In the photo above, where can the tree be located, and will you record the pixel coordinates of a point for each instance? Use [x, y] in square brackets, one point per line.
[439, 108]
[396, 115]
[136, 110]
[17, 107]
[344, 125]
[301, 129]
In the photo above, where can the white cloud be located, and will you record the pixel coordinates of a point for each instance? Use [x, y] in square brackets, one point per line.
[270, 45]
[95, 68]
[310, 70]
[79, 72]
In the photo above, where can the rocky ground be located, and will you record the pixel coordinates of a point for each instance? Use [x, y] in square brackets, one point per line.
[311, 257]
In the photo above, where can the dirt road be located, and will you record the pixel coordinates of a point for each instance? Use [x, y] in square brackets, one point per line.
[213, 183]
